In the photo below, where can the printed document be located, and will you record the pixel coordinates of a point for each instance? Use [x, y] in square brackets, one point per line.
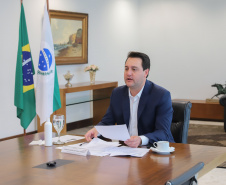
[125, 150]
[114, 132]
[99, 147]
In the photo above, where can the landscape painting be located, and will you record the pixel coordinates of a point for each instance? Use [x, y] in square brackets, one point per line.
[69, 31]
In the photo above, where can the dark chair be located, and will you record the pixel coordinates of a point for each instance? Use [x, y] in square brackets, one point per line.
[188, 177]
[222, 101]
[180, 122]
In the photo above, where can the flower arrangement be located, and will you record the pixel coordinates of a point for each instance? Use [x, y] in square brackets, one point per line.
[91, 68]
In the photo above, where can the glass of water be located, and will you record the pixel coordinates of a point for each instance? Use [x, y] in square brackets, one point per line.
[58, 123]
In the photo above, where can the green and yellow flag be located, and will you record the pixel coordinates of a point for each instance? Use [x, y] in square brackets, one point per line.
[24, 97]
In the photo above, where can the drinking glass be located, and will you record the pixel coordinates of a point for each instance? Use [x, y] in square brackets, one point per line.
[58, 123]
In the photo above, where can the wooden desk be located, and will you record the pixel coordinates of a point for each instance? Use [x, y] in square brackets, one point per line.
[18, 160]
[203, 110]
[101, 92]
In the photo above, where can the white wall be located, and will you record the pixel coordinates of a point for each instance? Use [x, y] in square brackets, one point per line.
[111, 30]
[185, 40]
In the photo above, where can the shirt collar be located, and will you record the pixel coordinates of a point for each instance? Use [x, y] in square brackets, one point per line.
[138, 95]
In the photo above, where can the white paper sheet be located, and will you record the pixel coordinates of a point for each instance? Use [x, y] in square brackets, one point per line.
[39, 142]
[115, 132]
[66, 139]
[124, 150]
[75, 150]
[99, 147]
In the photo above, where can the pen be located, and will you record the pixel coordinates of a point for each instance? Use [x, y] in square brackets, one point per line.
[83, 143]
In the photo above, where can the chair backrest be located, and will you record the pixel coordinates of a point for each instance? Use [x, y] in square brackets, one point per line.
[188, 177]
[222, 101]
[180, 122]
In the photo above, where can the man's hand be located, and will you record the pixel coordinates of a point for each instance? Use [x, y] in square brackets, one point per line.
[91, 134]
[133, 142]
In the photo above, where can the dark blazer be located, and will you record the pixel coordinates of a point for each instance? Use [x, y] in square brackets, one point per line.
[154, 111]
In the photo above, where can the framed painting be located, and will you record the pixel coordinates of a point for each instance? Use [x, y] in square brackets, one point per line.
[70, 37]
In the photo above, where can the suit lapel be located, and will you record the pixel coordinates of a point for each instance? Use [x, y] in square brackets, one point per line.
[144, 98]
[126, 107]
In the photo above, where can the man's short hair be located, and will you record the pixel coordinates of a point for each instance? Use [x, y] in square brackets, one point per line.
[145, 59]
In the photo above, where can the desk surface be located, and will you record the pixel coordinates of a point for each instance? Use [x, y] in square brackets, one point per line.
[18, 160]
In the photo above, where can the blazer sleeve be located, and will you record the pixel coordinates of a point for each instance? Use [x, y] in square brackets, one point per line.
[163, 119]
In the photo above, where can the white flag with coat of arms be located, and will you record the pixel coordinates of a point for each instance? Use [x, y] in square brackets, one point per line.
[47, 90]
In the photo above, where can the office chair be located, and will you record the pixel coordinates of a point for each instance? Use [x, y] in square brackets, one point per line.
[188, 177]
[222, 101]
[180, 121]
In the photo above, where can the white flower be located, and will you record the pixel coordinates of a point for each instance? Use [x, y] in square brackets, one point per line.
[91, 68]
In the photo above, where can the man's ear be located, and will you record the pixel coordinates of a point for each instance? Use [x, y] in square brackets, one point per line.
[146, 72]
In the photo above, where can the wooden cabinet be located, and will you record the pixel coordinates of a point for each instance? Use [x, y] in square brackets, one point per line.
[101, 99]
[203, 110]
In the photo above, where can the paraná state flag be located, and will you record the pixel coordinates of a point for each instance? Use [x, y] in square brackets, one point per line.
[24, 95]
[47, 91]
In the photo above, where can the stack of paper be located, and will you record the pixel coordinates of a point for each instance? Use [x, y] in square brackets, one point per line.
[99, 147]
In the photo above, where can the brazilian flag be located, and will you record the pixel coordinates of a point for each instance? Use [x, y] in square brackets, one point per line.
[24, 97]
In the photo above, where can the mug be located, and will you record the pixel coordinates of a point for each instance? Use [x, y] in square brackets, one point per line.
[161, 145]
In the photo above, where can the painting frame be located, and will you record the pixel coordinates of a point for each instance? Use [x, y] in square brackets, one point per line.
[64, 15]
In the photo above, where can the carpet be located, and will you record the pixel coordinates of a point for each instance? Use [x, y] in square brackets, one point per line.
[206, 135]
[212, 140]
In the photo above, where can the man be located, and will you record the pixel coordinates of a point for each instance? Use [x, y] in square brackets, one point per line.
[143, 106]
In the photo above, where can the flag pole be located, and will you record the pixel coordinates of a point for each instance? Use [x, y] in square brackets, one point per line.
[24, 100]
[21, 1]
[50, 79]
[47, 2]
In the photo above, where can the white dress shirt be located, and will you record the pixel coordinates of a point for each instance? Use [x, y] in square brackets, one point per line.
[133, 129]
